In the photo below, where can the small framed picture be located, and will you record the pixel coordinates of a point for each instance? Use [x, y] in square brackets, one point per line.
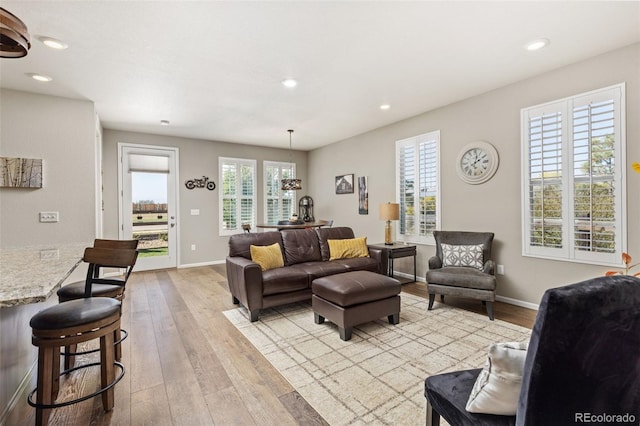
[363, 195]
[344, 184]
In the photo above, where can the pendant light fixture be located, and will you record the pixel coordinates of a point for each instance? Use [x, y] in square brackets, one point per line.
[291, 184]
[15, 41]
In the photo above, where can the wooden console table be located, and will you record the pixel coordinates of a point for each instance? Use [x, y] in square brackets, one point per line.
[395, 251]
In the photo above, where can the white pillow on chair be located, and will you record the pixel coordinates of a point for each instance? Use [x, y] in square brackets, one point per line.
[462, 255]
[497, 388]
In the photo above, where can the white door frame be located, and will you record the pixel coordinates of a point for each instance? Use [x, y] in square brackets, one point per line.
[160, 262]
[98, 181]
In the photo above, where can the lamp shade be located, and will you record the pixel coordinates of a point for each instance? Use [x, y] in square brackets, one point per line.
[291, 184]
[390, 211]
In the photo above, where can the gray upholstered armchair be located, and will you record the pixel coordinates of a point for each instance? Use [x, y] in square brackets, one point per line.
[462, 267]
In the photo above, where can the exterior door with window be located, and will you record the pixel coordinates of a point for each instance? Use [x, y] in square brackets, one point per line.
[148, 189]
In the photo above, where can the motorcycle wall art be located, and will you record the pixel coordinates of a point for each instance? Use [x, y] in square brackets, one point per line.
[200, 183]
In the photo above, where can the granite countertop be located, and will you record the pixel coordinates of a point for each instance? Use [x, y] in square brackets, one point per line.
[32, 274]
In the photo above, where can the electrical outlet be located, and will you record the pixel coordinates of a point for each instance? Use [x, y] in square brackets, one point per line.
[49, 217]
[195, 212]
[193, 247]
[500, 270]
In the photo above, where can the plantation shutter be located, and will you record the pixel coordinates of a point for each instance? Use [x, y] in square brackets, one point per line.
[418, 187]
[596, 188]
[428, 161]
[278, 203]
[407, 170]
[573, 203]
[238, 195]
[247, 207]
[545, 202]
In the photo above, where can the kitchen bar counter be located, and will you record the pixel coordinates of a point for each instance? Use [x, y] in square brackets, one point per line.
[32, 274]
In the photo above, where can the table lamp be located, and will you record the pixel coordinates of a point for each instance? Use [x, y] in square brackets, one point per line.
[389, 212]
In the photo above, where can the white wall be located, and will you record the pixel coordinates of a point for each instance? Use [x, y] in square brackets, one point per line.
[495, 205]
[197, 158]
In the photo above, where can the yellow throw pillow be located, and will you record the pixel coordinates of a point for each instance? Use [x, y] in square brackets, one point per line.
[268, 257]
[348, 248]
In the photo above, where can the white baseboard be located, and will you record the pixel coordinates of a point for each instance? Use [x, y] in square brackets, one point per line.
[517, 302]
[195, 265]
[503, 299]
[21, 393]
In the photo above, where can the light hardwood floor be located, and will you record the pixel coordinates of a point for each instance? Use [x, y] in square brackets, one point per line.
[187, 365]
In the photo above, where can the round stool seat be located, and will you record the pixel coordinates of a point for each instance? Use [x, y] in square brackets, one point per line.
[76, 291]
[75, 313]
[71, 323]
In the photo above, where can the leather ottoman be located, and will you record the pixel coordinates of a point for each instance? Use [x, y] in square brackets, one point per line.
[354, 298]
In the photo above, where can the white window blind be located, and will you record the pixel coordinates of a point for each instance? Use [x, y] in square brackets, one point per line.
[418, 186]
[148, 163]
[237, 195]
[278, 204]
[573, 193]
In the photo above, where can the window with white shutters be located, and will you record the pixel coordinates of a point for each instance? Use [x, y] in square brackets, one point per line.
[418, 186]
[237, 194]
[573, 191]
[278, 204]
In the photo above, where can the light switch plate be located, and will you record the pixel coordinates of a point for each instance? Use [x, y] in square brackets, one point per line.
[48, 254]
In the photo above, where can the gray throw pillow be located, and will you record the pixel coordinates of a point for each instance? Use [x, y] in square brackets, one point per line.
[462, 255]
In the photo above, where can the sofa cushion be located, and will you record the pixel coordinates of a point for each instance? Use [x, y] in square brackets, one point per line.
[240, 244]
[348, 248]
[268, 257]
[462, 276]
[300, 245]
[321, 269]
[284, 280]
[325, 234]
[358, 264]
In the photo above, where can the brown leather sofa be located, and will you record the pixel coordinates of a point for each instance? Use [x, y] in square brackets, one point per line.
[306, 257]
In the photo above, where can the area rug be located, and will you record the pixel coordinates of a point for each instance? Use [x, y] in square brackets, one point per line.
[378, 376]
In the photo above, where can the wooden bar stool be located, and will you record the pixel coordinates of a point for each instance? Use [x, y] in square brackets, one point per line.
[68, 323]
[104, 254]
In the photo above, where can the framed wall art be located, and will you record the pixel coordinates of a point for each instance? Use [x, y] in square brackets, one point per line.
[363, 195]
[344, 184]
[20, 172]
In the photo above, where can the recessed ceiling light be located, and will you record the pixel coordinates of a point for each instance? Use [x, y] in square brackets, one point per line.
[537, 44]
[53, 43]
[385, 106]
[40, 77]
[289, 82]
[164, 122]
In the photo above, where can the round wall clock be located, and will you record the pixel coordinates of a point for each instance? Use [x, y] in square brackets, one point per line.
[477, 162]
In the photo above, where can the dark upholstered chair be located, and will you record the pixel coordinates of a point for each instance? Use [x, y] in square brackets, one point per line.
[446, 277]
[583, 359]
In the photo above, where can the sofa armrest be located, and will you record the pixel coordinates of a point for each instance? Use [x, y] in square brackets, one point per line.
[377, 255]
[245, 282]
[435, 262]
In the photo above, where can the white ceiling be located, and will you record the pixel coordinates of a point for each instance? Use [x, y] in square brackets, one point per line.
[214, 68]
